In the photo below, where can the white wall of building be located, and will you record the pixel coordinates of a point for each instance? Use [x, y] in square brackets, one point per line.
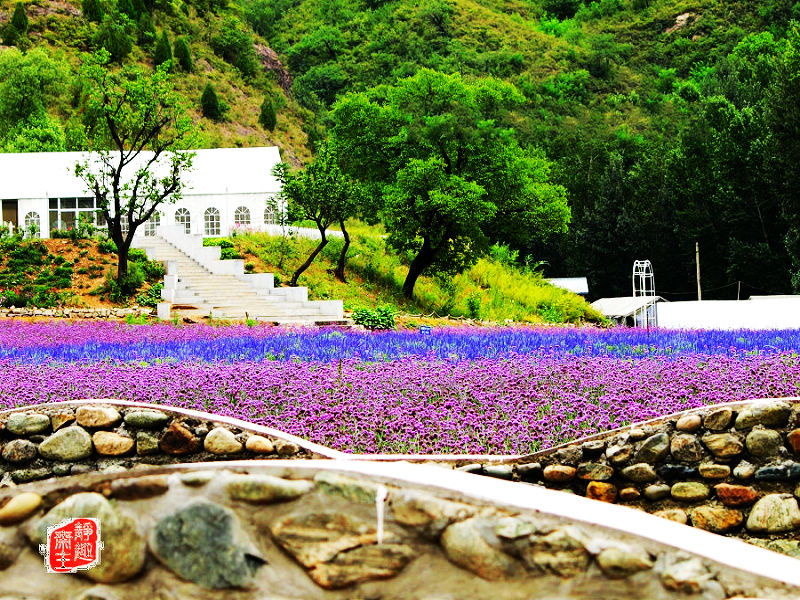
[778, 313]
[224, 178]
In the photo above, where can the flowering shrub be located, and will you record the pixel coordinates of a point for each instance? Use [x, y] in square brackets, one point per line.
[480, 391]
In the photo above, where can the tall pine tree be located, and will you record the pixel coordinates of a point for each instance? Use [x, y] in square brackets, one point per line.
[183, 55]
[268, 118]
[163, 50]
[210, 104]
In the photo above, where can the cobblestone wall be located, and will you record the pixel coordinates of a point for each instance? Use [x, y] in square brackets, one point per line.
[321, 529]
[732, 469]
[111, 436]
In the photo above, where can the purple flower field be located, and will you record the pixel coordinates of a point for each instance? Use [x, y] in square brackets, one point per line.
[507, 391]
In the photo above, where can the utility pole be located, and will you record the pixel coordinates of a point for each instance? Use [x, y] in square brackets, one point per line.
[697, 259]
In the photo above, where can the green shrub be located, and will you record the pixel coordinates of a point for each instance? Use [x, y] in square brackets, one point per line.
[137, 255]
[380, 318]
[19, 20]
[183, 55]
[146, 33]
[92, 10]
[106, 246]
[153, 270]
[221, 242]
[267, 116]
[114, 35]
[151, 297]
[163, 53]
[210, 104]
[234, 44]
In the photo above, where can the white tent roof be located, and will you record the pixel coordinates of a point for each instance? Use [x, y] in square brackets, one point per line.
[626, 306]
[577, 285]
[214, 172]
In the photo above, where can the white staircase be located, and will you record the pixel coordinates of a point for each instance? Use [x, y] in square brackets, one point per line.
[200, 283]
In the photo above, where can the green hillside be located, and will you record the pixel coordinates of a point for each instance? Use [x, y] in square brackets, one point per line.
[667, 121]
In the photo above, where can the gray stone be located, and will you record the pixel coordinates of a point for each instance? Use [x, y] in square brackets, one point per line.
[25, 475]
[618, 455]
[718, 420]
[146, 443]
[8, 555]
[593, 447]
[723, 445]
[464, 546]
[19, 451]
[640, 473]
[689, 423]
[673, 514]
[27, 423]
[147, 419]
[202, 544]
[689, 576]
[529, 471]
[653, 449]
[788, 547]
[124, 549]
[70, 443]
[354, 490]
[769, 414]
[500, 471]
[197, 478]
[570, 455]
[774, 513]
[595, 471]
[690, 491]
[763, 443]
[286, 448]
[686, 447]
[744, 470]
[657, 491]
[619, 562]
[560, 552]
[266, 489]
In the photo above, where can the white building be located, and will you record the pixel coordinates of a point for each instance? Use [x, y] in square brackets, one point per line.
[226, 188]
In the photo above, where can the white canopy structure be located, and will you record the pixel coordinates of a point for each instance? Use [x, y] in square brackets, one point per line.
[226, 188]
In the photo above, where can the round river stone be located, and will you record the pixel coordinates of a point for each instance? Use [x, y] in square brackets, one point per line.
[70, 443]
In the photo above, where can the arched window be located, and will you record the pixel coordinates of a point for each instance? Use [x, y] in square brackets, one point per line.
[241, 216]
[269, 215]
[152, 224]
[182, 217]
[211, 222]
[32, 224]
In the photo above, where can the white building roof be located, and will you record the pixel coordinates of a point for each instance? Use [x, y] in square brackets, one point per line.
[626, 306]
[576, 285]
[214, 172]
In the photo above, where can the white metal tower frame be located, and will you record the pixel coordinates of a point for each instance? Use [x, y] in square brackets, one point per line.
[644, 286]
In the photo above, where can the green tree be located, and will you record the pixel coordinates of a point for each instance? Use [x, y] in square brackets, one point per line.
[92, 10]
[234, 44]
[163, 53]
[28, 82]
[37, 134]
[146, 31]
[20, 19]
[210, 104]
[140, 130]
[114, 36]
[267, 116]
[183, 55]
[126, 8]
[453, 178]
[324, 194]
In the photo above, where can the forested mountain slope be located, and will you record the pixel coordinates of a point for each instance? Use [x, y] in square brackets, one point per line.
[668, 121]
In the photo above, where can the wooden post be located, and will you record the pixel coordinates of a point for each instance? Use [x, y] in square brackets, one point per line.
[697, 259]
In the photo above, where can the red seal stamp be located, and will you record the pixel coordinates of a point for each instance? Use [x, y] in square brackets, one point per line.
[72, 545]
